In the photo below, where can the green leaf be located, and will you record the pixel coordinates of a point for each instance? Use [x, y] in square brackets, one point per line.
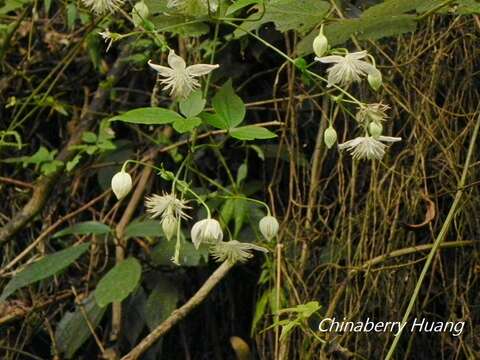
[84, 228]
[186, 125]
[178, 24]
[242, 173]
[214, 120]
[193, 105]
[143, 228]
[228, 208]
[89, 137]
[161, 302]
[119, 282]
[229, 106]
[240, 4]
[148, 116]
[251, 133]
[73, 330]
[71, 15]
[398, 7]
[241, 210]
[260, 309]
[162, 254]
[47, 266]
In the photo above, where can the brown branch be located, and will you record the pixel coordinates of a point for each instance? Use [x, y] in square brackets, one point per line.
[44, 184]
[180, 313]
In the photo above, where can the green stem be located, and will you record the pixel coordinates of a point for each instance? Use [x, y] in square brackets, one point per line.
[438, 240]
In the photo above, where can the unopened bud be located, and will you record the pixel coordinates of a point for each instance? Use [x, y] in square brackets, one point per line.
[140, 12]
[320, 44]
[268, 227]
[330, 136]
[375, 79]
[206, 231]
[121, 184]
[169, 226]
[375, 129]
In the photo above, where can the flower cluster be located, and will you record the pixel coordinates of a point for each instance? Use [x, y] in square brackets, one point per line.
[346, 69]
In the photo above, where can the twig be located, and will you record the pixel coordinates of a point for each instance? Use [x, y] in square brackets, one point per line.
[180, 313]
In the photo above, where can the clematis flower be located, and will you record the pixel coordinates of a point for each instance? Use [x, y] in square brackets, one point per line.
[367, 147]
[347, 68]
[234, 251]
[372, 113]
[179, 78]
[121, 184]
[166, 205]
[206, 231]
[269, 227]
[101, 7]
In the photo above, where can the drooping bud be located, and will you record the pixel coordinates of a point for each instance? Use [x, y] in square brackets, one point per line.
[206, 231]
[268, 227]
[140, 12]
[320, 44]
[375, 129]
[169, 226]
[375, 79]
[121, 184]
[330, 136]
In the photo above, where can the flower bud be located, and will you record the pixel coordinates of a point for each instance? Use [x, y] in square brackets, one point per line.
[375, 129]
[169, 226]
[330, 136]
[268, 227]
[121, 184]
[206, 231]
[320, 44]
[140, 12]
[375, 79]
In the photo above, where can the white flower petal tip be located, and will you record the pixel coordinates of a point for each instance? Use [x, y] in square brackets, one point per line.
[367, 147]
[121, 184]
[234, 251]
[179, 78]
[269, 227]
[206, 231]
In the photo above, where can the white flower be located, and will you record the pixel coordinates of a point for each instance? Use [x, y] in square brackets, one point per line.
[330, 136]
[101, 7]
[180, 78]
[206, 231]
[165, 205]
[268, 227]
[347, 68]
[366, 147]
[234, 251]
[109, 37]
[169, 226]
[121, 184]
[372, 113]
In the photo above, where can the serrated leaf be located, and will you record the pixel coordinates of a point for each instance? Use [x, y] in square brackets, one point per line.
[148, 116]
[161, 302]
[229, 106]
[84, 228]
[73, 330]
[251, 133]
[143, 228]
[45, 267]
[119, 282]
[186, 125]
[193, 105]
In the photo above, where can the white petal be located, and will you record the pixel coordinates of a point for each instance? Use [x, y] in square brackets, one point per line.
[366, 67]
[200, 69]
[162, 70]
[350, 143]
[176, 62]
[330, 59]
[357, 55]
[389, 138]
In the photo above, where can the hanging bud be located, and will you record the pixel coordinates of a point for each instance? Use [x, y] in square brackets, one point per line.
[268, 227]
[121, 184]
[330, 136]
[169, 226]
[375, 129]
[140, 12]
[375, 79]
[206, 231]
[320, 44]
